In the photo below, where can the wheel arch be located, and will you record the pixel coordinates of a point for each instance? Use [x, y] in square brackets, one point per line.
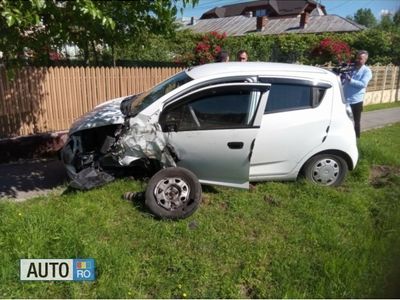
[339, 153]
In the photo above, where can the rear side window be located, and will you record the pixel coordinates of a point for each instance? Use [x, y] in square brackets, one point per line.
[284, 97]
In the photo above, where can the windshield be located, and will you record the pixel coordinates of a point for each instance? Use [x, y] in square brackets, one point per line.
[145, 99]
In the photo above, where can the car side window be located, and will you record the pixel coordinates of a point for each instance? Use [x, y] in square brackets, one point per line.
[284, 97]
[219, 108]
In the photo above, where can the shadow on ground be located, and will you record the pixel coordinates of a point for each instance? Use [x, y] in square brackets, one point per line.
[30, 178]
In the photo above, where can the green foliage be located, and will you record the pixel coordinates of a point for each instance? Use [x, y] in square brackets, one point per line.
[40, 27]
[386, 22]
[183, 43]
[382, 46]
[257, 47]
[44, 26]
[279, 240]
[364, 16]
[292, 47]
[379, 44]
[396, 18]
[139, 23]
[13, 13]
[34, 31]
[379, 106]
[390, 22]
[158, 48]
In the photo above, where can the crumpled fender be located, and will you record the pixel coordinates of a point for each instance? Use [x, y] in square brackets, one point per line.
[143, 139]
[107, 113]
[139, 138]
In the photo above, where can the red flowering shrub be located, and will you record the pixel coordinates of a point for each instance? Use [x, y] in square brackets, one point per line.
[205, 50]
[54, 55]
[329, 50]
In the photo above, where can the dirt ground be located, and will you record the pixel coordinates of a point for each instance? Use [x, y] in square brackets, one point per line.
[381, 175]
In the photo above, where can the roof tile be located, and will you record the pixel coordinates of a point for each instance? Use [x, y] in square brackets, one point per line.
[242, 25]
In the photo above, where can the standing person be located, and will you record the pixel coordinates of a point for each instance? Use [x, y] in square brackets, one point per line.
[222, 56]
[355, 86]
[242, 56]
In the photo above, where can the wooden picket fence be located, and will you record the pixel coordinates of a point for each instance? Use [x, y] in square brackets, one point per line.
[39, 100]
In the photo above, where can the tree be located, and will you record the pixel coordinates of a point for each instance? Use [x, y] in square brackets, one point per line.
[390, 21]
[386, 22]
[43, 26]
[364, 16]
[136, 21]
[39, 27]
[396, 18]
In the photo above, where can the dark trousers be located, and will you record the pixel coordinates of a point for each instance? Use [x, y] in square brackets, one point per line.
[357, 109]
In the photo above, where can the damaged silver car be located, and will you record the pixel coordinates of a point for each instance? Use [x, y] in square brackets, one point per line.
[221, 125]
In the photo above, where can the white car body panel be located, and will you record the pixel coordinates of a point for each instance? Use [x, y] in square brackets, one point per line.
[104, 114]
[214, 71]
[284, 141]
[206, 154]
[286, 137]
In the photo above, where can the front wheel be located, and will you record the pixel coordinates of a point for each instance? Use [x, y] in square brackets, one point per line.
[173, 193]
[326, 169]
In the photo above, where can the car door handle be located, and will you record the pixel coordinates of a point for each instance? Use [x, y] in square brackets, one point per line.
[235, 145]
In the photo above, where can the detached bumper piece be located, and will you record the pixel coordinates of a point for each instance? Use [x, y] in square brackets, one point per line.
[89, 178]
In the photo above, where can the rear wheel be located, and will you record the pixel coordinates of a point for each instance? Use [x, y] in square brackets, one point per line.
[173, 193]
[326, 169]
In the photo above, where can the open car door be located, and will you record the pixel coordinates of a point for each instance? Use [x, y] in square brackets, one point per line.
[212, 130]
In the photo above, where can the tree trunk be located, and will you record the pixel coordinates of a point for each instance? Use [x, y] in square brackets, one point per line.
[96, 58]
[86, 53]
[113, 55]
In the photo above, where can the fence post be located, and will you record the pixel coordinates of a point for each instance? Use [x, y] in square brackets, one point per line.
[376, 75]
[396, 83]
[384, 84]
[391, 83]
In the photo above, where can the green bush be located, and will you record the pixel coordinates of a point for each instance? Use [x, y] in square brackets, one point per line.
[379, 44]
[383, 46]
[258, 47]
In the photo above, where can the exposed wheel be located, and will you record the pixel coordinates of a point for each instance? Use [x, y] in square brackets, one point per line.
[173, 193]
[326, 169]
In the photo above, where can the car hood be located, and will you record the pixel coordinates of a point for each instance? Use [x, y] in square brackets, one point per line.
[107, 113]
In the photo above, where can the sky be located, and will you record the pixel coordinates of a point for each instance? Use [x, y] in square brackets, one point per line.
[342, 8]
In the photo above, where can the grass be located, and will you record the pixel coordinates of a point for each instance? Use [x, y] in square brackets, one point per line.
[279, 240]
[378, 106]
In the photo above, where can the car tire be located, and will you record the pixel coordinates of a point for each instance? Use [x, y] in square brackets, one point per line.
[326, 169]
[173, 193]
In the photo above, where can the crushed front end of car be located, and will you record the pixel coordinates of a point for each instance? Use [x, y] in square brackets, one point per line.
[105, 144]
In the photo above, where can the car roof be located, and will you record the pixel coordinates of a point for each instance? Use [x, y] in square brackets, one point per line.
[252, 68]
